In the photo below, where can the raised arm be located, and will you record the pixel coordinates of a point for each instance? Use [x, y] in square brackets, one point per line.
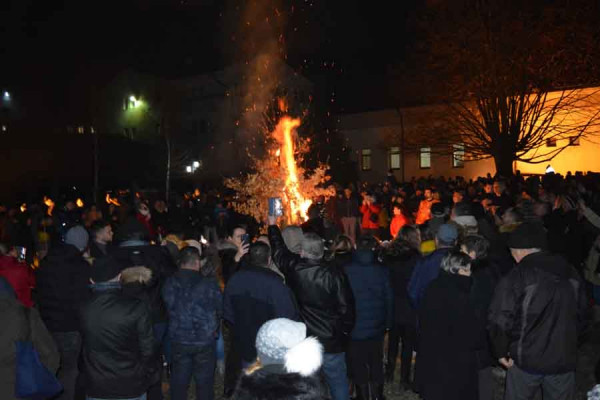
[284, 259]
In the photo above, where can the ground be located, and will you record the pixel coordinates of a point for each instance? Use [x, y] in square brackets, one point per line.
[589, 353]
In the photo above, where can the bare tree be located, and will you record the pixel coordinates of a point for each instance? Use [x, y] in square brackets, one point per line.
[512, 77]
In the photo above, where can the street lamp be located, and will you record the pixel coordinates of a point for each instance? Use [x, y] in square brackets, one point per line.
[188, 169]
[196, 165]
[6, 95]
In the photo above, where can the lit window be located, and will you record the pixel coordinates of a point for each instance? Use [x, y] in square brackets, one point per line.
[458, 155]
[551, 142]
[574, 141]
[425, 157]
[395, 157]
[365, 161]
[92, 130]
[80, 129]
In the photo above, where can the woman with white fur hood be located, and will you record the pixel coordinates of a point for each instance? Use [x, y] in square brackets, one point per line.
[287, 365]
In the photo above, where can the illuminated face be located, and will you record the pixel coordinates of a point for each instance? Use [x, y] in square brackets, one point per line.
[105, 235]
[498, 188]
[457, 197]
[428, 194]
[237, 235]
[397, 211]
[487, 188]
[347, 192]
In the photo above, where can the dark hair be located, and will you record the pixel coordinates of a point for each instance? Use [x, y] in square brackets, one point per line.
[259, 254]
[233, 228]
[454, 261]
[366, 242]
[410, 234]
[477, 243]
[342, 244]
[461, 209]
[97, 226]
[188, 255]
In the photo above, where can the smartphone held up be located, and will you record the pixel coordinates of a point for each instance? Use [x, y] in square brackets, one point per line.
[275, 207]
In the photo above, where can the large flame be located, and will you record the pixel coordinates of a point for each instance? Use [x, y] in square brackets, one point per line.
[50, 204]
[297, 205]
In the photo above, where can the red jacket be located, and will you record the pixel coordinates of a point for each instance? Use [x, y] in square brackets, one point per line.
[397, 223]
[20, 277]
[367, 211]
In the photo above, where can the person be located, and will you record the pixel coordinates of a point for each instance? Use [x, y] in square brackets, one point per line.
[370, 215]
[102, 236]
[401, 257]
[62, 287]
[398, 221]
[424, 211]
[348, 212]
[253, 296]
[485, 275]
[340, 252]
[373, 296]
[195, 307]
[427, 268]
[19, 275]
[448, 334]
[118, 342]
[292, 236]
[287, 364]
[144, 216]
[536, 315]
[315, 284]
[232, 250]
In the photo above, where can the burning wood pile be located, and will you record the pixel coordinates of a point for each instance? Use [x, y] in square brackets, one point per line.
[279, 174]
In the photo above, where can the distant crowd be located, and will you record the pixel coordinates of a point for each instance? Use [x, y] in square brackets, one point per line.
[479, 279]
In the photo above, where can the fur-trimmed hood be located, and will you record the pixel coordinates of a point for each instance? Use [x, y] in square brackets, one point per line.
[131, 275]
[272, 382]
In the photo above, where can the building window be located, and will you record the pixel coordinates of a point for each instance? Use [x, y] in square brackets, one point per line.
[365, 161]
[92, 130]
[551, 142]
[395, 158]
[458, 155]
[80, 130]
[425, 157]
[574, 141]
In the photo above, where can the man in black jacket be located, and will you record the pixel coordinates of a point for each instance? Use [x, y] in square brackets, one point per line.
[536, 315]
[253, 296]
[325, 302]
[118, 343]
[62, 286]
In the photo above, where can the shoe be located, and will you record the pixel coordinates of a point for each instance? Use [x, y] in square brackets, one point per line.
[362, 392]
[377, 391]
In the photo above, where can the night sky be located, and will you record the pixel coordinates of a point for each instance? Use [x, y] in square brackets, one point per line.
[345, 47]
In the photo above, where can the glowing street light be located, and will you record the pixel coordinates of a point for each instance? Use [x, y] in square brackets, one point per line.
[188, 169]
[196, 164]
[6, 95]
[135, 103]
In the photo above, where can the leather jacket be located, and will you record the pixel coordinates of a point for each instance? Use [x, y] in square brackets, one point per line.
[323, 293]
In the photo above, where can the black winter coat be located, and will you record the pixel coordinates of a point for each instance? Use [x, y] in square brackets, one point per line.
[370, 283]
[158, 260]
[62, 285]
[448, 340]
[254, 296]
[537, 313]
[323, 294]
[401, 260]
[272, 382]
[118, 344]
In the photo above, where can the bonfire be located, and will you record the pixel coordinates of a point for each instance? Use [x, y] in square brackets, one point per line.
[279, 174]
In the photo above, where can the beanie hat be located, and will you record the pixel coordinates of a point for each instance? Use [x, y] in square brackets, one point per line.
[195, 244]
[447, 233]
[528, 235]
[78, 237]
[105, 268]
[292, 237]
[283, 341]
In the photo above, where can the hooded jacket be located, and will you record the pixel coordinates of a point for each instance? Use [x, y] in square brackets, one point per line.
[401, 259]
[370, 283]
[537, 313]
[62, 286]
[323, 294]
[118, 343]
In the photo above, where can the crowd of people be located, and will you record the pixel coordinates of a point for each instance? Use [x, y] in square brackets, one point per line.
[473, 277]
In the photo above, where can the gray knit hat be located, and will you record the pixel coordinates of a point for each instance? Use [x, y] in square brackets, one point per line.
[276, 337]
[78, 237]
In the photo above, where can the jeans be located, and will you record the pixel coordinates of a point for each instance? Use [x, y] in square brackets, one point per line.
[521, 385]
[334, 369]
[69, 348]
[349, 227]
[160, 336]
[142, 397]
[199, 361]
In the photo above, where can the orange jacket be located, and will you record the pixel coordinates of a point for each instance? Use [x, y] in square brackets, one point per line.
[366, 211]
[397, 223]
[424, 211]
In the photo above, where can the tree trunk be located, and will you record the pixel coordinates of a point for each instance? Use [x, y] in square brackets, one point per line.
[504, 164]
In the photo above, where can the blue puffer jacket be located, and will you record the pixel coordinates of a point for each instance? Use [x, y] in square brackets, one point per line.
[426, 270]
[195, 307]
[373, 296]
